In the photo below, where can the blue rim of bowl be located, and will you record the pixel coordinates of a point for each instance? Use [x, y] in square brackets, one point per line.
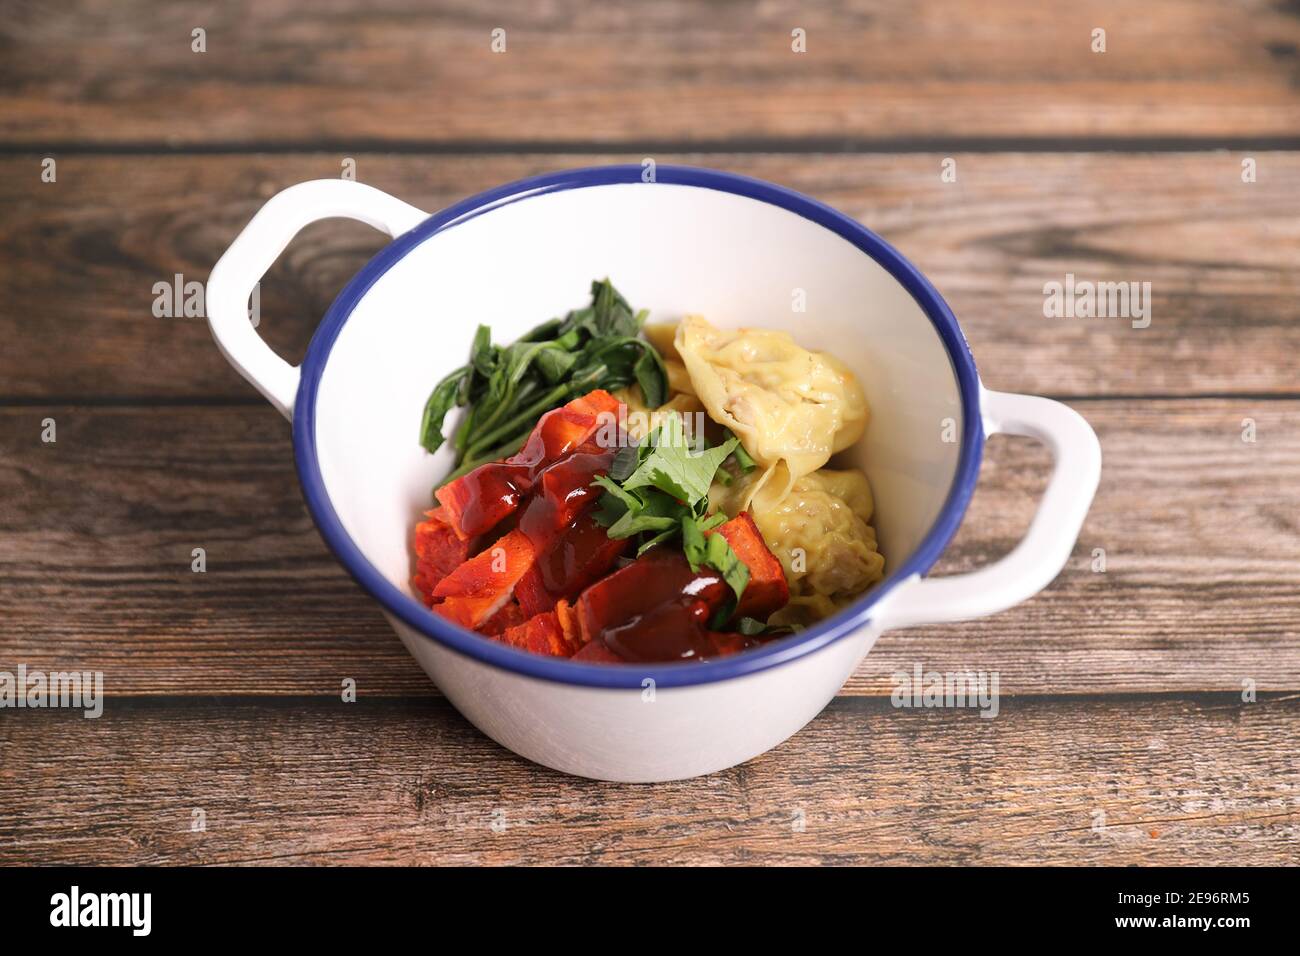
[630, 676]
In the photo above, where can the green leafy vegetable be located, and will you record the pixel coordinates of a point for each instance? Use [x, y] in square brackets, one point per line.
[445, 395]
[716, 553]
[709, 522]
[507, 388]
[652, 377]
[625, 462]
[482, 354]
[696, 546]
[693, 542]
[660, 489]
[624, 513]
[739, 461]
[663, 537]
[673, 468]
[750, 626]
[660, 513]
[617, 503]
[554, 363]
[743, 461]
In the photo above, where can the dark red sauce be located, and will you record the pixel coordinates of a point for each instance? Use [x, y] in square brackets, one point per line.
[658, 609]
[653, 609]
[560, 492]
[489, 493]
[578, 557]
[572, 549]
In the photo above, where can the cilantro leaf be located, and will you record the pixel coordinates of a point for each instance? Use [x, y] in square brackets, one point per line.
[693, 544]
[718, 554]
[663, 537]
[751, 626]
[672, 468]
[714, 551]
[625, 462]
[659, 513]
[660, 490]
[624, 513]
[616, 503]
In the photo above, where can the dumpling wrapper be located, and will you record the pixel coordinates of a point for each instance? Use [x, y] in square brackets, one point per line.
[642, 419]
[662, 336]
[820, 533]
[791, 408]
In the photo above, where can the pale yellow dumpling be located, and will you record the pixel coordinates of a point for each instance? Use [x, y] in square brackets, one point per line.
[788, 405]
[642, 419]
[792, 409]
[819, 530]
[821, 535]
[662, 335]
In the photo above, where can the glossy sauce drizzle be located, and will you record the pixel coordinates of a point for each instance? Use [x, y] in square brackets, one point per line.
[658, 609]
[572, 549]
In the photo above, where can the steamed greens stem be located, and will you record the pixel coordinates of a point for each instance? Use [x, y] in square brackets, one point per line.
[507, 388]
[504, 450]
[526, 417]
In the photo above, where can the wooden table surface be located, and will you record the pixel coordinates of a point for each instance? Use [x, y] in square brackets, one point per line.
[1128, 732]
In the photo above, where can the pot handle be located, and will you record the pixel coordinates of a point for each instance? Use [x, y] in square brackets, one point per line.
[1039, 557]
[256, 248]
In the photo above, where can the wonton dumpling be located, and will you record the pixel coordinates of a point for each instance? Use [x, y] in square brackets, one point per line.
[642, 419]
[820, 534]
[789, 406]
[661, 335]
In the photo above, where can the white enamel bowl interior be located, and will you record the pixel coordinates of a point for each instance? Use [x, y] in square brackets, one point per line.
[672, 249]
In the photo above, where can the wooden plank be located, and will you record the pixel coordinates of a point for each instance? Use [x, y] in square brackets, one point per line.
[77, 308]
[1200, 590]
[1093, 781]
[396, 71]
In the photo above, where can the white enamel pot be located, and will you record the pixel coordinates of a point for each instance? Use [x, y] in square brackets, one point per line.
[737, 250]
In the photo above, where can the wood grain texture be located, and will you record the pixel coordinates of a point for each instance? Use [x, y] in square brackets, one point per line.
[76, 313]
[1112, 781]
[224, 686]
[1201, 589]
[400, 71]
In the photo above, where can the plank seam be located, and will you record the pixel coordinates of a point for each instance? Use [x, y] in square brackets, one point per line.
[1225, 698]
[250, 401]
[756, 145]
